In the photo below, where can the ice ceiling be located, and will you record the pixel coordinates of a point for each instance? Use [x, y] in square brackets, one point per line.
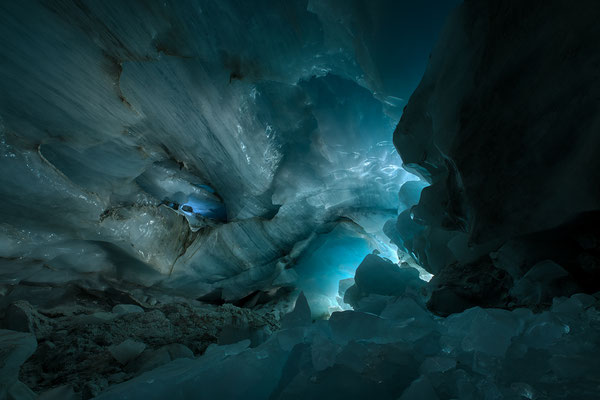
[211, 148]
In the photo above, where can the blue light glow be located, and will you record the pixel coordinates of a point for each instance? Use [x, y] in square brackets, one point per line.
[206, 207]
[330, 258]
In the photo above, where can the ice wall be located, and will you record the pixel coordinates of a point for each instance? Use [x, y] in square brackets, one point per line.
[503, 125]
[198, 145]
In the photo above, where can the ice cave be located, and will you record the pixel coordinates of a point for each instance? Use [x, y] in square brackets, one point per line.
[300, 199]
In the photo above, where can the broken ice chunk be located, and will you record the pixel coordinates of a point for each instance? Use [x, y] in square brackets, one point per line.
[380, 276]
[437, 364]
[542, 282]
[323, 352]
[15, 348]
[405, 307]
[484, 330]
[151, 359]
[420, 389]
[573, 305]
[218, 352]
[121, 309]
[23, 317]
[544, 330]
[126, 350]
[354, 325]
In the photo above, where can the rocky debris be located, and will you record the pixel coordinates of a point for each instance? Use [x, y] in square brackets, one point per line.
[87, 342]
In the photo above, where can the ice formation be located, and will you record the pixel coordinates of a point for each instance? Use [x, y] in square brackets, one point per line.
[400, 352]
[237, 199]
[202, 156]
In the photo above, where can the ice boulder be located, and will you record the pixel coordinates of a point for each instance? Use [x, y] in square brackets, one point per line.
[122, 309]
[379, 276]
[64, 392]
[23, 317]
[352, 325]
[150, 359]
[420, 389]
[15, 348]
[488, 331]
[127, 350]
[223, 372]
[542, 282]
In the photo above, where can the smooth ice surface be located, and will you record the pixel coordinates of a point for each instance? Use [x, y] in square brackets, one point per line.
[15, 347]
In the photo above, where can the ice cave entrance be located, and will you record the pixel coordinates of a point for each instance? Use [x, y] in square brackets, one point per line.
[327, 266]
[328, 260]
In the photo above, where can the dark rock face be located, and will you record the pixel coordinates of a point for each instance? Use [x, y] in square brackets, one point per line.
[461, 286]
[504, 125]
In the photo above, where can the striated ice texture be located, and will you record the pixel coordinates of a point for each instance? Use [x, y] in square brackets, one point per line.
[203, 146]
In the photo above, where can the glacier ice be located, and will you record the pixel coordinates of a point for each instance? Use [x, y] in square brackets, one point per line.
[16, 348]
[406, 352]
[126, 350]
[166, 155]
[510, 171]
[157, 156]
